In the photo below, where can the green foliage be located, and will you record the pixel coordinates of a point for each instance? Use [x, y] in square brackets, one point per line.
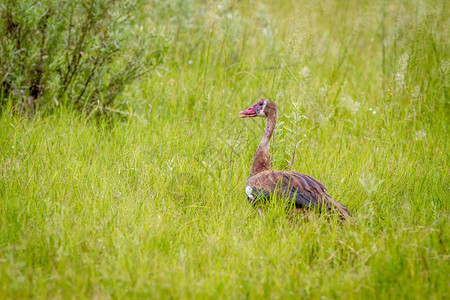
[154, 206]
[77, 53]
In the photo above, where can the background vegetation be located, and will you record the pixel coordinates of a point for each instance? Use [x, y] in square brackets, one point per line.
[153, 205]
[80, 53]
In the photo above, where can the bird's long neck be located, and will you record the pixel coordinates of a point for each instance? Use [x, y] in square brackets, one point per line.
[261, 160]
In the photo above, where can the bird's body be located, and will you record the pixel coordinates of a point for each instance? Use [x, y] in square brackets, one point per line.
[305, 191]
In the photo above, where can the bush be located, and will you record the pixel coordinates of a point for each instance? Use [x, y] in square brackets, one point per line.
[79, 53]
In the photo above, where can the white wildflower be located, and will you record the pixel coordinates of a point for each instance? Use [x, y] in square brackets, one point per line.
[403, 62]
[267, 31]
[355, 107]
[399, 79]
[444, 69]
[350, 104]
[420, 135]
[402, 68]
[305, 73]
[415, 93]
[323, 91]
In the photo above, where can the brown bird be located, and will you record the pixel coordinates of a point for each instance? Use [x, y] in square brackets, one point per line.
[305, 191]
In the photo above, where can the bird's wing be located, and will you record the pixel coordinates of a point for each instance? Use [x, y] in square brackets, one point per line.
[317, 192]
[305, 190]
[306, 186]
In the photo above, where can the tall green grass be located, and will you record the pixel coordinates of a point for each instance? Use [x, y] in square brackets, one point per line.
[154, 206]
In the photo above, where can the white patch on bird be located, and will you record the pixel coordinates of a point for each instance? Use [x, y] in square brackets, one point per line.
[261, 112]
[249, 192]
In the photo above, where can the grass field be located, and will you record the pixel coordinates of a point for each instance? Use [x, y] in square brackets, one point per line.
[152, 205]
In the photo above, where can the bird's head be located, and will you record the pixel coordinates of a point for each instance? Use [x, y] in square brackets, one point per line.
[262, 108]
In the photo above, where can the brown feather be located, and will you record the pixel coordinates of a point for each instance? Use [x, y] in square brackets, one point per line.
[303, 186]
[305, 190]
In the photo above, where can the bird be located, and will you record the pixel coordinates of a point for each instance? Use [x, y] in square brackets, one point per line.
[305, 191]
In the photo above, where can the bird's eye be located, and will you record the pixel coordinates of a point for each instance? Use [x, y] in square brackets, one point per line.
[260, 104]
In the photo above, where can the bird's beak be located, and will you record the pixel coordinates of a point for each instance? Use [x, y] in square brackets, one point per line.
[248, 113]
